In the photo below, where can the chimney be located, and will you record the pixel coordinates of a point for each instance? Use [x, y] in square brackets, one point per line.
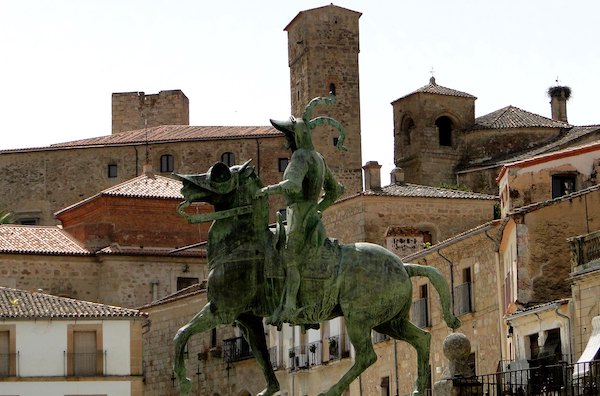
[397, 176]
[558, 102]
[372, 175]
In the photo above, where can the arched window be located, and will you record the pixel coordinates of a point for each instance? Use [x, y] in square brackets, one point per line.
[332, 89]
[228, 158]
[444, 125]
[407, 126]
[167, 163]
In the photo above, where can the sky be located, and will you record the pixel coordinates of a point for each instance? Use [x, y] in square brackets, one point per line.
[61, 60]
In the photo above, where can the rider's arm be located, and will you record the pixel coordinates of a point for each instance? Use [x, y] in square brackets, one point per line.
[333, 190]
[294, 175]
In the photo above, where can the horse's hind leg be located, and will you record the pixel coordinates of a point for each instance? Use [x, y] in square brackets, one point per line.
[202, 321]
[360, 336]
[404, 330]
[254, 332]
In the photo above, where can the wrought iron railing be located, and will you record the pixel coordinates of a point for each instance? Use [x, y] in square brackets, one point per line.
[563, 379]
[339, 347]
[420, 313]
[315, 353]
[276, 362]
[86, 364]
[298, 358]
[235, 349]
[585, 248]
[463, 299]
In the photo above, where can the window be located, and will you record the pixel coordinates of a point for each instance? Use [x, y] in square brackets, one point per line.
[420, 308]
[332, 89]
[84, 350]
[444, 125]
[167, 163]
[228, 158]
[112, 170]
[8, 366]
[463, 294]
[183, 282]
[385, 386]
[28, 221]
[562, 185]
[213, 338]
[282, 164]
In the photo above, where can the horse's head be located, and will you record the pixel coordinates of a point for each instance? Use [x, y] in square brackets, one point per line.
[223, 187]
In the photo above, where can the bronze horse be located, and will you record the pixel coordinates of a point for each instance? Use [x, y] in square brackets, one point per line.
[364, 282]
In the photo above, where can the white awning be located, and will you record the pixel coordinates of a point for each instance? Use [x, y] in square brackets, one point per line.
[593, 343]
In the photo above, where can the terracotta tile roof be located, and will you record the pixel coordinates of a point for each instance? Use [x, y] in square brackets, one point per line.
[553, 155]
[39, 240]
[189, 291]
[513, 117]
[148, 186]
[417, 190]
[20, 304]
[171, 133]
[565, 140]
[433, 88]
[116, 249]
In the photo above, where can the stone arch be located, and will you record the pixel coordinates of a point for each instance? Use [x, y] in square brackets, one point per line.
[406, 129]
[244, 393]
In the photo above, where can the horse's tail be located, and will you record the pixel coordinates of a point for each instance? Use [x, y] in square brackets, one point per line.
[439, 283]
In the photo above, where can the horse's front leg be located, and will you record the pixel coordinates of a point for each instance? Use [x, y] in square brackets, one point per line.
[254, 333]
[202, 321]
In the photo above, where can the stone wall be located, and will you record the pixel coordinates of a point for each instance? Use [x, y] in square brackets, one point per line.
[110, 279]
[38, 183]
[544, 254]
[217, 377]
[136, 110]
[367, 218]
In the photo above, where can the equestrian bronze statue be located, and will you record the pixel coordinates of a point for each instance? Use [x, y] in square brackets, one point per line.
[249, 263]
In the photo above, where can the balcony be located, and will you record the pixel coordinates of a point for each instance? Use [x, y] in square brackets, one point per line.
[298, 356]
[276, 362]
[339, 347]
[463, 299]
[236, 349]
[85, 364]
[585, 251]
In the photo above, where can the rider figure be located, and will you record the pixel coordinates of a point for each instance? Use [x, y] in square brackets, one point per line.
[303, 181]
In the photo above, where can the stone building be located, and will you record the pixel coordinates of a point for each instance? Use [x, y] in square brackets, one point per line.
[116, 247]
[438, 140]
[59, 346]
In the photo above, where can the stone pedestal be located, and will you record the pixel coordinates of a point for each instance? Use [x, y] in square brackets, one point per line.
[458, 379]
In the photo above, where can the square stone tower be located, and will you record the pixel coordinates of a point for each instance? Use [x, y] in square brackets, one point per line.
[131, 110]
[323, 49]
